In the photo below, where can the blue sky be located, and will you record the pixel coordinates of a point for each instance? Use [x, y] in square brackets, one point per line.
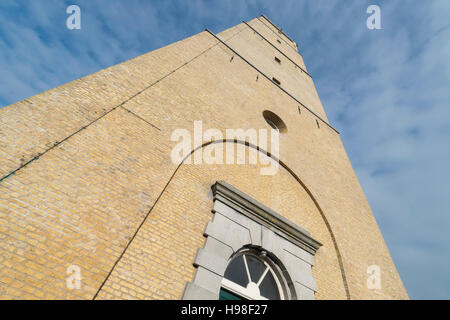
[387, 91]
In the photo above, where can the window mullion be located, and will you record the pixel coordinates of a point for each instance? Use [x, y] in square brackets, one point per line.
[246, 268]
[263, 275]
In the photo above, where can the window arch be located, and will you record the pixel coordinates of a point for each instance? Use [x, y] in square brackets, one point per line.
[243, 226]
[251, 275]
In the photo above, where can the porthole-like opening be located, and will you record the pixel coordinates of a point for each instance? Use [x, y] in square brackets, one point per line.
[274, 121]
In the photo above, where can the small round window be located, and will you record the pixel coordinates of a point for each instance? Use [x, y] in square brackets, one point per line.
[250, 276]
[274, 121]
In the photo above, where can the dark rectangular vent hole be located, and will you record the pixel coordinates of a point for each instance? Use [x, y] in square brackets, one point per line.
[279, 41]
[276, 81]
[277, 60]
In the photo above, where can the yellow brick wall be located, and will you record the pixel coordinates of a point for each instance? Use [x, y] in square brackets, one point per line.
[262, 53]
[105, 166]
[266, 29]
[165, 247]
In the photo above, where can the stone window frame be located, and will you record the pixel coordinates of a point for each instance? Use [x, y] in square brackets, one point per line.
[242, 222]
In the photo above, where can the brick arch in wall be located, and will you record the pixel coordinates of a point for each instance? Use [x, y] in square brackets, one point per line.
[303, 185]
[290, 173]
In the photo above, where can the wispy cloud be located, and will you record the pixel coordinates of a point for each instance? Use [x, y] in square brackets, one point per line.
[386, 90]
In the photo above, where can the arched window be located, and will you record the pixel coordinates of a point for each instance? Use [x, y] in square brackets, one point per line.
[271, 257]
[251, 276]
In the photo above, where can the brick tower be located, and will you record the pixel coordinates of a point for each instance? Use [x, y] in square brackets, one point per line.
[92, 205]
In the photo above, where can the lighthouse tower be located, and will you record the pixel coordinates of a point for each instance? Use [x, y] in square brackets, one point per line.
[147, 180]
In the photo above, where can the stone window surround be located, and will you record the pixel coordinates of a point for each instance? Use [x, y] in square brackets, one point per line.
[240, 221]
